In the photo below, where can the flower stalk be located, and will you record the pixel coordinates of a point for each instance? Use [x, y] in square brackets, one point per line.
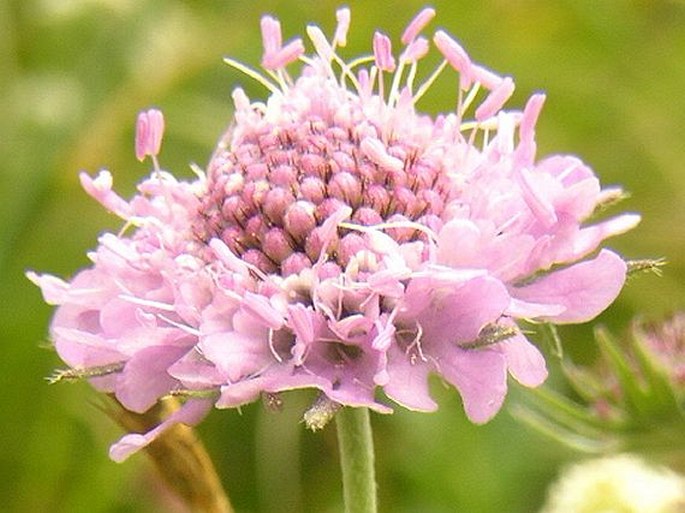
[355, 442]
[179, 456]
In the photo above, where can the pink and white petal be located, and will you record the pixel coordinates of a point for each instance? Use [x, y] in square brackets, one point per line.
[100, 189]
[55, 290]
[357, 396]
[457, 314]
[81, 349]
[408, 381]
[590, 237]
[88, 288]
[536, 193]
[195, 372]
[481, 378]
[387, 282]
[142, 337]
[262, 310]
[235, 354]
[351, 327]
[278, 380]
[459, 243]
[526, 310]
[524, 361]
[584, 289]
[301, 321]
[241, 393]
[580, 198]
[144, 378]
[190, 414]
[118, 316]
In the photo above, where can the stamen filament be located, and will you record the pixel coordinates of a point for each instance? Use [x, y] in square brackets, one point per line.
[255, 75]
[429, 81]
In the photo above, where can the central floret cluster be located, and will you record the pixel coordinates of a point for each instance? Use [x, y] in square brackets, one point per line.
[273, 183]
[341, 240]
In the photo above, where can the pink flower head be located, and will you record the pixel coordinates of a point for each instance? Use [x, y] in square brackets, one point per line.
[342, 240]
[149, 132]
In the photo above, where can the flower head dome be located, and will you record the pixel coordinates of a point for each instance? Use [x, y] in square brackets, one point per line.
[342, 240]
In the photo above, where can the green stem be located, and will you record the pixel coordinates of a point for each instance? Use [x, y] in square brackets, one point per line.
[356, 460]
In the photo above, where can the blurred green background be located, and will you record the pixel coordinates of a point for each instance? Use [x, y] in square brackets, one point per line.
[74, 74]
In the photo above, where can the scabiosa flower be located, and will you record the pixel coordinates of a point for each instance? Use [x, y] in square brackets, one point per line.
[341, 240]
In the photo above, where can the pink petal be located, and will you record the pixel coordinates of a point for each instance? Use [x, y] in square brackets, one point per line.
[525, 363]
[387, 282]
[233, 353]
[261, 309]
[590, 237]
[248, 390]
[537, 198]
[195, 371]
[55, 290]
[81, 349]
[408, 381]
[481, 378]
[301, 322]
[101, 190]
[190, 414]
[238, 352]
[459, 243]
[145, 379]
[376, 151]
[458, 312]
[241, 393]
[526, 310]
[228, 258]
[584, 289]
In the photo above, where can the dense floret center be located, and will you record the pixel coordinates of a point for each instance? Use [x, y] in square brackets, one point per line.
[269, 193]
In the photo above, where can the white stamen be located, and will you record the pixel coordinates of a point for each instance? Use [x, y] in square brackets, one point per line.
[184, 327]
[272, 348]
[148, 302]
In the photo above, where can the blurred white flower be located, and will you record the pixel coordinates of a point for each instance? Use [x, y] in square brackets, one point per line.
[618, 484]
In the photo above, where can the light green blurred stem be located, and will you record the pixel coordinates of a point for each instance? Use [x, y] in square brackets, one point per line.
[355, 442]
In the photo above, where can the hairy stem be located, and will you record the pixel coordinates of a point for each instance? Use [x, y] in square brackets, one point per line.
[356, 460]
